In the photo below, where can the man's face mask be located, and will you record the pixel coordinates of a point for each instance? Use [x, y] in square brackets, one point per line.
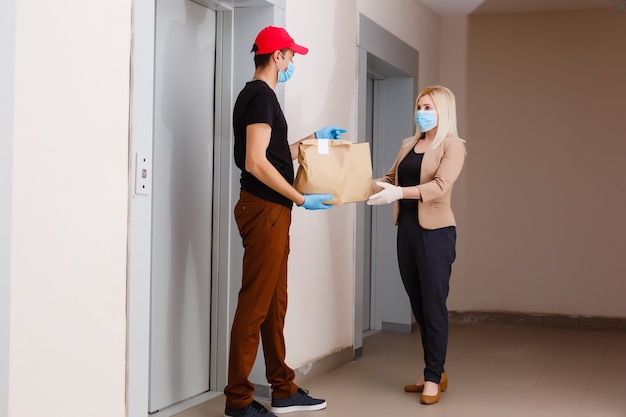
[285, 75]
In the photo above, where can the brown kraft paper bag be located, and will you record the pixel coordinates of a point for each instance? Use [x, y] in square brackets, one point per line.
[342, 168]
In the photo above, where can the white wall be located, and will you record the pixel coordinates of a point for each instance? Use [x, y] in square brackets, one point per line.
[416, 25]
[543, 234]
[70, 185]
[541, 221]
[323, 91]
[321, 263]
[454, 50]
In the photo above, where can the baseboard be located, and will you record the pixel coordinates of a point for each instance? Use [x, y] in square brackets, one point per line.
[398, 327]
[538, 320]
[358, 352]
[324, 365]
[311, 370]
[262, 391]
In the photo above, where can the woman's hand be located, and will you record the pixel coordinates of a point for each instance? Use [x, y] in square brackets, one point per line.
[389, 194]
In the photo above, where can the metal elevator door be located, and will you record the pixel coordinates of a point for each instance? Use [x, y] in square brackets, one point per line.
[181, 202]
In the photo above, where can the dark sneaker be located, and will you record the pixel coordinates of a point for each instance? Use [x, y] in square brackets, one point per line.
[300, 401]
[254, 409]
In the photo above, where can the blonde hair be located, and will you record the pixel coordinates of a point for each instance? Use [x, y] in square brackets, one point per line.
[445, 102]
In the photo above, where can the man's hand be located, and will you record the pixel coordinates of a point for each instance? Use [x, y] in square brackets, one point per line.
[316, 201]
[330, 132]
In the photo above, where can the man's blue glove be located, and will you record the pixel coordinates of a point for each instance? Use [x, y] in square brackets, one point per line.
[316, 201]
[330, 132]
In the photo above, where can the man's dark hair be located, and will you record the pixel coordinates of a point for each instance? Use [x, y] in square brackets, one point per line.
[263, 59]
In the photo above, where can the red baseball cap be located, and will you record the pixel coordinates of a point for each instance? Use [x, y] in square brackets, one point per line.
[273, 38]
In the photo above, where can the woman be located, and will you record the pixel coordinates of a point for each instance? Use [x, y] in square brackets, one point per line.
[420, 186]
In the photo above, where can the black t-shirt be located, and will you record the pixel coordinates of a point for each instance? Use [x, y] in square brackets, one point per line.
[408, 176]
[257, 103]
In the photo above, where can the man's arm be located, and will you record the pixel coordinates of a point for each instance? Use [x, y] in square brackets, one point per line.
[257, 142]
[294, 146]
[328, 132]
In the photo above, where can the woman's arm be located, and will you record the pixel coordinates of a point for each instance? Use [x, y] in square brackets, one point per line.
[448, 171]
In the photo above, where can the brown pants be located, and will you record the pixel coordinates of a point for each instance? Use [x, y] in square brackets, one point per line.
[262, 303]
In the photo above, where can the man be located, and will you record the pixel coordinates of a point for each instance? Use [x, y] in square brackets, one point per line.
[263, 216]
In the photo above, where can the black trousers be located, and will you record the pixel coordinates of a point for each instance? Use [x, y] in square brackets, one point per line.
[425, 260]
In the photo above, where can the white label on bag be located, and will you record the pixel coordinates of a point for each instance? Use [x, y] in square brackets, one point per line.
[322, 146]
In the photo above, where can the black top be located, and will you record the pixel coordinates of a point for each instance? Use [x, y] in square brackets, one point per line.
[408, 176]
[257, 103]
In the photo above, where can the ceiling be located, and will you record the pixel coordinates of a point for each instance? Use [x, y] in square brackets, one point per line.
[473, 7]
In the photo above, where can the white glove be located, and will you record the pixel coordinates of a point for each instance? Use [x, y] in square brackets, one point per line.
[389, 194]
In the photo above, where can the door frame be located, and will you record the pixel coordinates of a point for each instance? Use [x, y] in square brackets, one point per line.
[140, 213]
[225, 239]
[7, 80]
[380, 51]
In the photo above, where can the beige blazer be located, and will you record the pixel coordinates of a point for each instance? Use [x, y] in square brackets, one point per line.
[440, 168]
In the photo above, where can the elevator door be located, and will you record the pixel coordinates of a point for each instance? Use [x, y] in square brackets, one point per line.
[181, 202]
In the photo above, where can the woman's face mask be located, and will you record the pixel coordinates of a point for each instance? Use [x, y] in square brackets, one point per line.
[426, 119]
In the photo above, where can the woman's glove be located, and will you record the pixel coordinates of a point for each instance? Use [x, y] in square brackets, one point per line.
[316, 201]
[389, 194]
[330, 132]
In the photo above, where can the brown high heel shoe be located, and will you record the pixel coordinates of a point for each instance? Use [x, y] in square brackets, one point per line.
[414, 388]
[443, 385]
[434, 399]
[431, 399]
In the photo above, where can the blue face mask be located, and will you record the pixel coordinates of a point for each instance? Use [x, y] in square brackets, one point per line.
[426, 119]
[286, 74]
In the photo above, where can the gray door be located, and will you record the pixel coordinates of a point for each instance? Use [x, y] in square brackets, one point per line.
[393, 122]
[181, 202]
[388, 74]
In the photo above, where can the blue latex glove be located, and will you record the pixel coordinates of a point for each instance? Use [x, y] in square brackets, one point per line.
[330, 132]
[316, 201]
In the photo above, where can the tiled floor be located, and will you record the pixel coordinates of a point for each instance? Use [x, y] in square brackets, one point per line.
[494, 371]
